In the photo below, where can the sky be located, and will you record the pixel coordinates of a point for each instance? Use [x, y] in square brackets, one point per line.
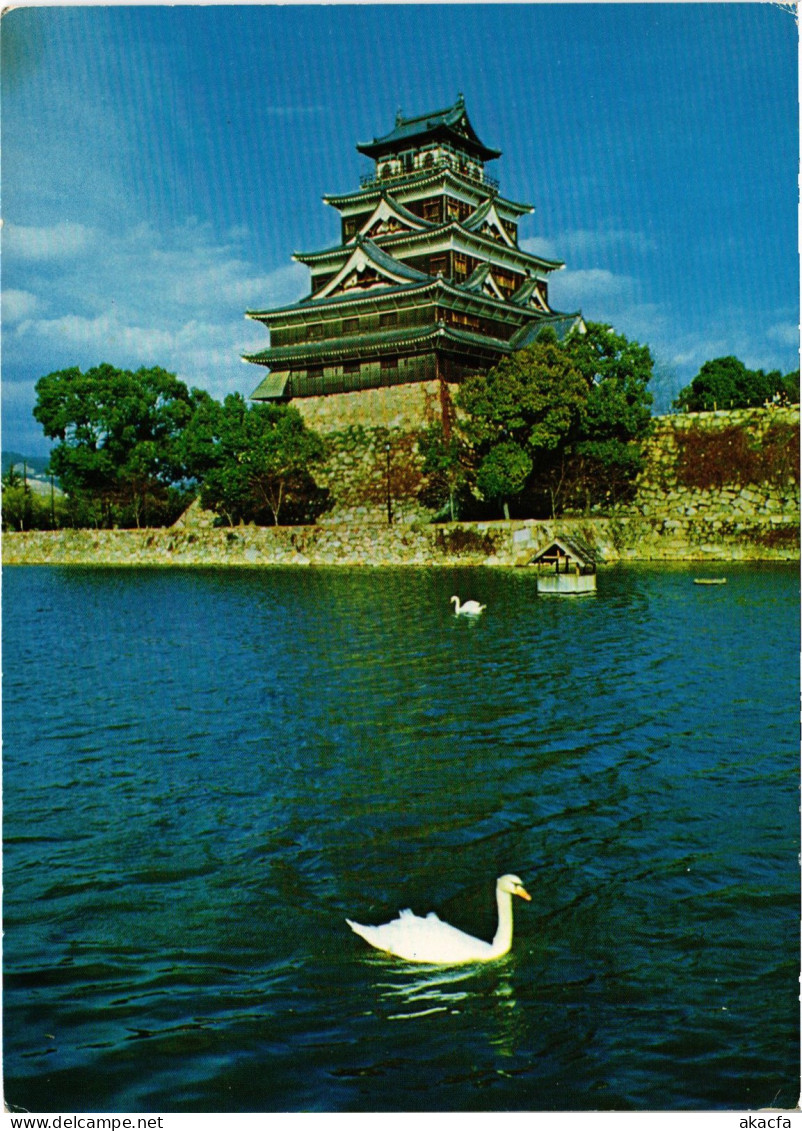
[162, 164]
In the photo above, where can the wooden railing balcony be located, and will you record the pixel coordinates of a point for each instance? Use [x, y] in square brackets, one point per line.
[479, 176]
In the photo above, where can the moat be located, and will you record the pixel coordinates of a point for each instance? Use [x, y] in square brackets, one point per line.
[207, 770]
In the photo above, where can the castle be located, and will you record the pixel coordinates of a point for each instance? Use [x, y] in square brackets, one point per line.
[428, 282]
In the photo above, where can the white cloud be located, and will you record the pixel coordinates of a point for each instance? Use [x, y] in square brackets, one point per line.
[785, 333]
[175, 298]
[17, 305]
[292, 111]
[585, 245]
[59, 241]
[593, 285]
[539, 245]
[585, 242]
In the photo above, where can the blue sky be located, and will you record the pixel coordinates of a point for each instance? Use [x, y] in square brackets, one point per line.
[160, 166]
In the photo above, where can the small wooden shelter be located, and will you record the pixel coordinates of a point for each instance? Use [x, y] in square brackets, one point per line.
[565, 566]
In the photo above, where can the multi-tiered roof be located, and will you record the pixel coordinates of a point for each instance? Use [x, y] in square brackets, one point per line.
[428, 280]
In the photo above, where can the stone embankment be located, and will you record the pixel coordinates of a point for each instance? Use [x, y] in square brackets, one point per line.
[717, 484]
[747, 514]
[742, 463]
[372, 455]
[627, 538]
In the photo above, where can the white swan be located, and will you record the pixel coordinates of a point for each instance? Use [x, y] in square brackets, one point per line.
[432, 940]
[472, 608]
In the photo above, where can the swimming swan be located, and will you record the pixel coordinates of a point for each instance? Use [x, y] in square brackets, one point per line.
[432, 940]
[472, 608]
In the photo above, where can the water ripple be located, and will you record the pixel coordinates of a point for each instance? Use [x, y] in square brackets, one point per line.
[235, 762]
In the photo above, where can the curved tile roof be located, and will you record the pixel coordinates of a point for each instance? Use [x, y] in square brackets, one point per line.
[451, 124]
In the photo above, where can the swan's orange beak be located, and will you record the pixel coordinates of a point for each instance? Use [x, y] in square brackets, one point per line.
[524, 894]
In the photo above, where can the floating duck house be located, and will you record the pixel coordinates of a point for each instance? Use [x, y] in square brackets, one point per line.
[428, 280]
[565, 567]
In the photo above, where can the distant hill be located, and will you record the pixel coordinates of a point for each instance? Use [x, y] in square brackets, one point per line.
[36, 465]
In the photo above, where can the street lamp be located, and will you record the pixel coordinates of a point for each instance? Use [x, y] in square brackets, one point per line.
[389, 500]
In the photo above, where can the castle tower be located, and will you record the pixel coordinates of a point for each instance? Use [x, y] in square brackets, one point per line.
[428, 281]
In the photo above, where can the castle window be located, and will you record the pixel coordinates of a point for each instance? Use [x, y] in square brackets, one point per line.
[350, 325]
[432, 210]
[388, 363]
[437, 265]
[350, 368]
[314, 330]
[388, 319]
[349, 228]
[460, 264]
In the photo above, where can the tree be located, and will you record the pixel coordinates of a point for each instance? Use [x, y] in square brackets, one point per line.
[789, 388]
[254, 462]
[118, 434]
[503, 472]
[578, 410]
[725, 382]
[17, 509]
[616, 416]
[532, 400]
[446, 462]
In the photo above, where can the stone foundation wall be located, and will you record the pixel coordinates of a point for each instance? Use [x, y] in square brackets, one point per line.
[363, 429]
[372, 449]
[666, 522]
[396, 408]
[627, 538]
[662, 495]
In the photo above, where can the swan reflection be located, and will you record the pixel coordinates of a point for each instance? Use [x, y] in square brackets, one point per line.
[427, 989]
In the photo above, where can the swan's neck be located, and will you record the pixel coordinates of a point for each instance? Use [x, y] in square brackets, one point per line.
[502, 940]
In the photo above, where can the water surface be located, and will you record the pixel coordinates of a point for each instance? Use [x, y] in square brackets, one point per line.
[205, 772]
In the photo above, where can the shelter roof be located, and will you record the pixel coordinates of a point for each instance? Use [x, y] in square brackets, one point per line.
[451, 124]
[430, 289]
[481, 281]
[312, 304]
[573, 548]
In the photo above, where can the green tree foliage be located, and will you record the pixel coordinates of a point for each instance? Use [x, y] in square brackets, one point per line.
[254, 462]
[503, 472]
[616, 416]
[27, 507]
[577, 410]
[533, 397]
[789, 389]
[18, 502]
[532, 400]
[725, 382]
[118, 431]
[446, 464]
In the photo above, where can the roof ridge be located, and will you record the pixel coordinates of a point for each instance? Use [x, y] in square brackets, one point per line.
[400, 120]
